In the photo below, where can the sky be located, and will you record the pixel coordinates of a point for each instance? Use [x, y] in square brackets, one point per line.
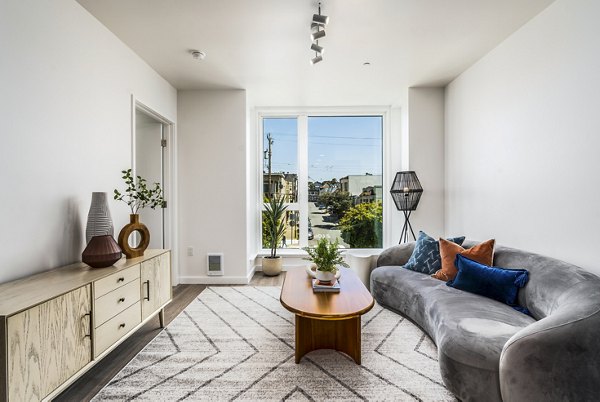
[337, 146]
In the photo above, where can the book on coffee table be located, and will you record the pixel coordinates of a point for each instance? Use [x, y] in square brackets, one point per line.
[319, 286]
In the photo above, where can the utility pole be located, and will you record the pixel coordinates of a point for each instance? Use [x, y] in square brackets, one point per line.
[270, 140]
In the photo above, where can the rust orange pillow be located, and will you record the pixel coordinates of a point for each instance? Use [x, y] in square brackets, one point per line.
[483, 253]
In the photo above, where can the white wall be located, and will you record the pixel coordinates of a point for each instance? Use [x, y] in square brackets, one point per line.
[212, 183]
[523, 138]
[426, 157]
[66, 127]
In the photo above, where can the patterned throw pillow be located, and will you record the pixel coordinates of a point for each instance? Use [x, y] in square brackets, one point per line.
[483, 253]
[426, 255]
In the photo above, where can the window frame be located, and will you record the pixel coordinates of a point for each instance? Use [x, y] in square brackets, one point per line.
[302, 114]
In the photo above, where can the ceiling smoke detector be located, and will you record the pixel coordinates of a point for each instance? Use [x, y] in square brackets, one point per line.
[197, 54]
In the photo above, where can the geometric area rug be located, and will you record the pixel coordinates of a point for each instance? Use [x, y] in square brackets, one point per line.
[237, 343]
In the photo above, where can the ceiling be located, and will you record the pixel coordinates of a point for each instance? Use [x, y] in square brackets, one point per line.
[263, 45]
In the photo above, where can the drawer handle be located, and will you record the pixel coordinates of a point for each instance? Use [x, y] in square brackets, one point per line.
[121, 300]
[121, 279]
[147, 283]
[122, 326]
[90, 325]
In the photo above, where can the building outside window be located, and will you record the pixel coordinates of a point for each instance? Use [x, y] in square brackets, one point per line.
[329, 172]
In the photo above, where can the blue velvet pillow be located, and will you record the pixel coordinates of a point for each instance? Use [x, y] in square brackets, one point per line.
[426, 255]
[496, 283]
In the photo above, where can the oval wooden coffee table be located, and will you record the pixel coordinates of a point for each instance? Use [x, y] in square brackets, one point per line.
[326, 320]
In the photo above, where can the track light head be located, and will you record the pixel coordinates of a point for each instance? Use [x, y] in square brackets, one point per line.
[316, 59]
[320, 19]
[317, 35]
[317, 48]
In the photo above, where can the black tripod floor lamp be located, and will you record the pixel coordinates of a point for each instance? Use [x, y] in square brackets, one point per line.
[406, 192]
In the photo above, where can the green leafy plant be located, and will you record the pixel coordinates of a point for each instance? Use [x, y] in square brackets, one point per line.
[361, 225]
[273, 223]
[337, 203]
[138, 194]
[326, 255]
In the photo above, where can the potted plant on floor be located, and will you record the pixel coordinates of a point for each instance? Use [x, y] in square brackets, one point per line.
[326, 256]
[274, 227]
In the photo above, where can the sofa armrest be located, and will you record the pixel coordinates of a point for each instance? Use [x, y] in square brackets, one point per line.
[396, 255]
[556, 358]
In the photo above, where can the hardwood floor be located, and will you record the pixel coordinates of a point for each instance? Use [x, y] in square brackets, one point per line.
[94, 380]
[86, 387]
[263, 280]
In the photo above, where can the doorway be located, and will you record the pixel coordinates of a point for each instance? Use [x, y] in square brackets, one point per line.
[153, 158]
[150, 143]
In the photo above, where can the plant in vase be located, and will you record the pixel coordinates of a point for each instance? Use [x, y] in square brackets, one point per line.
[273, 230]
[326, 256]
[137, 195]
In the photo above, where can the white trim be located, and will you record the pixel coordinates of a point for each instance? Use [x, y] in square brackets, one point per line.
[170, 192]
[302, 113]
[302, 164]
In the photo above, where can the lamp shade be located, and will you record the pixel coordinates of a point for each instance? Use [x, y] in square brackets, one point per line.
[406, 191]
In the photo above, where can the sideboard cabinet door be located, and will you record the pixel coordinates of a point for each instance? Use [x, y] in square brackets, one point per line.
[47, 344]
[156, 284]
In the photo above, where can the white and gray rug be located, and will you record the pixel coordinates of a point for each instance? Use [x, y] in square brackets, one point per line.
[237, 343]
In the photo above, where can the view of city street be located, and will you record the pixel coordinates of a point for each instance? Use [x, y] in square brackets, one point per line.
[323, 225]
[344, 159]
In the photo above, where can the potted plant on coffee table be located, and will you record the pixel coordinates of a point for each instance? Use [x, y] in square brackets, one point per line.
[326, 256]
[274, 227]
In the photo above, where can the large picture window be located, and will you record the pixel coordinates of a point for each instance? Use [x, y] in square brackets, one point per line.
[329, 171]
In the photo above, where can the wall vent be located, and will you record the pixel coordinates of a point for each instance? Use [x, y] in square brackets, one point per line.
[215, 264]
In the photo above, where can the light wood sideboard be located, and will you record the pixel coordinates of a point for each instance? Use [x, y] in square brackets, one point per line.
[56, 325]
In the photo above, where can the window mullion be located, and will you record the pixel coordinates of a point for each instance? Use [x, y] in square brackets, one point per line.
[303, 177]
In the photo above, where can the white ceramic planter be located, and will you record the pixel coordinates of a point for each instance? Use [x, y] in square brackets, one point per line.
[325, 276]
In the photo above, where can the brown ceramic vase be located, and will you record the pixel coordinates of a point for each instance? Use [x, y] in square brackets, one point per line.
[101, 251]
[134, 225]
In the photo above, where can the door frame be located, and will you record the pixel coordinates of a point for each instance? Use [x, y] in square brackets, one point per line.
[170, 177]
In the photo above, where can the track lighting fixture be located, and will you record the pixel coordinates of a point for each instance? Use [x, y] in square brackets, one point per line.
[317, 35]
[317, 32]
[320, 19]
[317, 48]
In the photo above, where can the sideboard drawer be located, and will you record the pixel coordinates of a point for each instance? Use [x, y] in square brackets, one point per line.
[116, 280]
[114, 329]
[114, 302]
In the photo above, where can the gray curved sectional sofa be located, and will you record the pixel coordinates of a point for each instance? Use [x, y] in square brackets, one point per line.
[490, 352]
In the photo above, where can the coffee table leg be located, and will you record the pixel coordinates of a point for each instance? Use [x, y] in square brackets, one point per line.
[340, 335]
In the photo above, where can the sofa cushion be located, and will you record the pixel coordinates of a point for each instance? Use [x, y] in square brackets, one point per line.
[493, 282]
[426, 255]
[482, 253]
